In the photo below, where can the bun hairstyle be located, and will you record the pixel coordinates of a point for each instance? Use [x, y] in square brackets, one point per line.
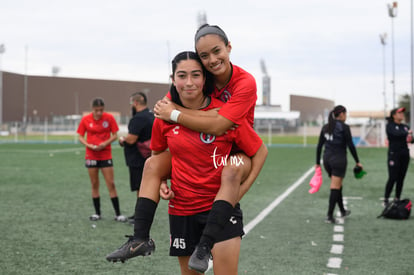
[188, 55]
[210, 29]
[98, 102]
[333, 115]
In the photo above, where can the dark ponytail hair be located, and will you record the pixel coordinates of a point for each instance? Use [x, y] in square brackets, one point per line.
[333, 116]
[209, 84]
[393, 112]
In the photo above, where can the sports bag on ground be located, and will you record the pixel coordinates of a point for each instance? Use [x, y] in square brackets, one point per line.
[398, 210]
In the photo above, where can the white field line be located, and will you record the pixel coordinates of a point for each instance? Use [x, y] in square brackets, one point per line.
[271, 206]
[334, 262]
[276, 202]
[337, 249]
[338, 237]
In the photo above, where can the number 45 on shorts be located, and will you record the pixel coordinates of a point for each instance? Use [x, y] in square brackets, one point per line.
[179, 243]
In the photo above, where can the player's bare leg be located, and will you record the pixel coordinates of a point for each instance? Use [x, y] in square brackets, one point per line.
[232, 176]
[94, 178]
[228, 195]
[183, 261]
[226, 257]
[156, 169]
[108, 173]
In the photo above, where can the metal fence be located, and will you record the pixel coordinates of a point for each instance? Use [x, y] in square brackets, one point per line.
[63, 130]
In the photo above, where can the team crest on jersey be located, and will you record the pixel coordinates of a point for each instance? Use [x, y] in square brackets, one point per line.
[105, 124]
[91, 124]
[207, 138]
[225, 96]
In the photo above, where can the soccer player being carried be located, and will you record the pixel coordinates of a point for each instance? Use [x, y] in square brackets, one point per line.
[238, 89]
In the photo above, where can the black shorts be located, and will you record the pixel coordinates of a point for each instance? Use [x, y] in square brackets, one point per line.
[185, 231]
[90, 163]
[135, 176]
[335, 165]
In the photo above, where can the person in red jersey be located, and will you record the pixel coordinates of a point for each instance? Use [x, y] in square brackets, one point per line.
[197, 163]
[237, 88]
[101, 130]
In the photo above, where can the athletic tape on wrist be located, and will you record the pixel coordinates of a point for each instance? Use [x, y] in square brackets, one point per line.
[174, 115]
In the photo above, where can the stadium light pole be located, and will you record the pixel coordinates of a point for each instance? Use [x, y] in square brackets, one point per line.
[392, 12]
[383, 39]
[25, 90]
[2, 50]
[412, 71]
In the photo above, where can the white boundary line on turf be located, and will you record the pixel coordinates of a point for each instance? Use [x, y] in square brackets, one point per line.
[272, 206]
[276, 202]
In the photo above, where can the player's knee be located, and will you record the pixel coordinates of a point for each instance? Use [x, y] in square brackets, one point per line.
[151, 166]
[232, 175]
[158, 165]
[111, 186]
[95, 184]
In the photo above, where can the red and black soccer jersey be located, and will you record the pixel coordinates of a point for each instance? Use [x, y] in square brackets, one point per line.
[240, 94]
[198, 160]
[97, 132]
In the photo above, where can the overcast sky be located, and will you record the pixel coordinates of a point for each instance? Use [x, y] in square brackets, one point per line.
[322, 48]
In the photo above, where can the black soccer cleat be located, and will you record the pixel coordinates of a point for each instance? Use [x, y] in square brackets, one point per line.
[330, 219]
[132, 248]
[346, 213]
[199, 259]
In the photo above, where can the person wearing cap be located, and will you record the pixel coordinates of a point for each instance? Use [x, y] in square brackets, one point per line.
[399, 135]
[336, 137]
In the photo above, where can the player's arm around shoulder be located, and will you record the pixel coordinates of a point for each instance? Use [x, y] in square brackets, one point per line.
[209, 122]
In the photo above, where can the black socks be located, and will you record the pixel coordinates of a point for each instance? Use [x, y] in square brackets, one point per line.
[144, 216]
[220, 214]
[97, 205]
[115, 204]
[341, 202]
[333, 199]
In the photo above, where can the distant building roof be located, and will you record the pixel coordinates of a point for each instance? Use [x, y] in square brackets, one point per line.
[367, 114]
[276, 115]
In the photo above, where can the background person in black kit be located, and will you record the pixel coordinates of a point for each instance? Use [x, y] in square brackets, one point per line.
[398, 135]
[139, 130]
[336, 136]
